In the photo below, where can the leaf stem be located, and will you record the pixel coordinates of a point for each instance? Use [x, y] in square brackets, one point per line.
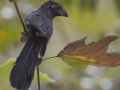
[50, 57]
[38, 77]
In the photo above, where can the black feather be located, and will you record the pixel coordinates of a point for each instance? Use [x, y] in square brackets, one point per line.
[23, 70]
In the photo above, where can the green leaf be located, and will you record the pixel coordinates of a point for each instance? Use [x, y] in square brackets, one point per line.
[75, 62]
[43, 77]
[6, 68]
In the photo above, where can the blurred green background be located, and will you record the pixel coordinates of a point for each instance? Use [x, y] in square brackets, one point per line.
[92, 18]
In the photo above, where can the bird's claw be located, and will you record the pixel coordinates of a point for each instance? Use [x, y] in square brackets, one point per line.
[24, 37]
[39, 60]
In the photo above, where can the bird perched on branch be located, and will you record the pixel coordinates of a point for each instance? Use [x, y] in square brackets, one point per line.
[40, 27]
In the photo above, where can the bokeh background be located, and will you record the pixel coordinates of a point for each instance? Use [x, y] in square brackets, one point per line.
[92, 18]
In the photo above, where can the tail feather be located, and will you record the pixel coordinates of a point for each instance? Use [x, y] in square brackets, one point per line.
[23, 71]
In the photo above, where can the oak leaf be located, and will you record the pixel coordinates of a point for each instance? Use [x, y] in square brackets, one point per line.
[80, 55]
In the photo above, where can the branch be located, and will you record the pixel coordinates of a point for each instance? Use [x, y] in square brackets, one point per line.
[19, 15]
[38, 78]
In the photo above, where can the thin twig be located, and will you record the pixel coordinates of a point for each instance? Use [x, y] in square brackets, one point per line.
[19, 15]
[50, 57]
[38, 77]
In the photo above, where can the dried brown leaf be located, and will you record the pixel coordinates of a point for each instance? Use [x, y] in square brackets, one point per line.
[93, 53]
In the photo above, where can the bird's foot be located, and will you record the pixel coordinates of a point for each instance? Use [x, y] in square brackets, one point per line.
[39, 60]
[24, 37]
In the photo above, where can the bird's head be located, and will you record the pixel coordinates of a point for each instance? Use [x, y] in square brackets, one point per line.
[58, 10]
[54, 9]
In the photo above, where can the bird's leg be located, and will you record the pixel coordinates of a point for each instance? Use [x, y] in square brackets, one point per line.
[42, 52]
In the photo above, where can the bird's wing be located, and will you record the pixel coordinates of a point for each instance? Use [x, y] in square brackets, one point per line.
[39, 22]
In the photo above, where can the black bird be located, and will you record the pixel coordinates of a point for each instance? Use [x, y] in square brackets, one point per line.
[40, 27]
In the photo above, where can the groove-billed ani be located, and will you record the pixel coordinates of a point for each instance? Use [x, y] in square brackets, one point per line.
[40, 27]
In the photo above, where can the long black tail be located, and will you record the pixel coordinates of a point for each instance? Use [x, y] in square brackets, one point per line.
[23, 71]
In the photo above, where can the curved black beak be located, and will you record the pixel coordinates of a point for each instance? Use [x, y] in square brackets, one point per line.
[63, 12]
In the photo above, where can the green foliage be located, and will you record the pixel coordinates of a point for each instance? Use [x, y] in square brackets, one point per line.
[88, 3]
[10, 34]
[43, 77]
